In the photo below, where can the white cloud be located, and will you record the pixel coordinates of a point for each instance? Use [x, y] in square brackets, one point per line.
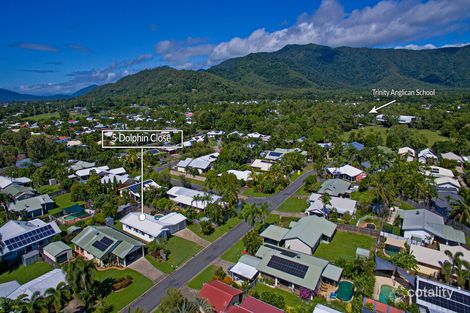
[82, 79]
[386, 24]
[417, 47]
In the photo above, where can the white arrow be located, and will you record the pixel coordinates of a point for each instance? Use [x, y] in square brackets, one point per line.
[374, 109]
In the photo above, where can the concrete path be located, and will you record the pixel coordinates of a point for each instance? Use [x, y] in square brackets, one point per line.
[144, 267]
[189, 235]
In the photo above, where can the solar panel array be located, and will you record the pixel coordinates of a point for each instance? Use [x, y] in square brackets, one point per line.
[458, 302]
[275, 154]
[29, 238]
[287, 266]
[136, 187]
[102, 244]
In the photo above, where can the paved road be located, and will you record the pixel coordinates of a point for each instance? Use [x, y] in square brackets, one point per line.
[150, 300]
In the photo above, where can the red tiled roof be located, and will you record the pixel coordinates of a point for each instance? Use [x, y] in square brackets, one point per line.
[237, 309]
[218, 294]
[254, 305]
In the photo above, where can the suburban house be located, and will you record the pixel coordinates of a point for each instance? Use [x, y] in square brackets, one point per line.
[12, 290]
[453, 157]
[20, 237]
[120, 180]
[335, 187]
[407, 153]
[19, 192]
[261, 165]
[406, 119]
[215, 133]
[444, 200]
[346, 172]
[303, 236]
[103, 244]
[80, 165]
[84, 174]
[278, 153]
[423, 225]
[241, 175]
[356, 146]
[202, 164]
[245, 269]
[252, 305]
[191, 198]
[459, 301]
[221, 296]
[437, 172]
[33, 207]
[340, 205]
[427, 156]
[153, 227]
[447, 184]
[57, 252]
[134, 190]
[295, 270]
[7, 181]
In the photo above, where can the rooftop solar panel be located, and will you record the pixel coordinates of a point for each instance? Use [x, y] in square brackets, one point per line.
[457, 302]
[275, 154]
[28, 238]
[99, 245]
[287, 266]
[106, 241]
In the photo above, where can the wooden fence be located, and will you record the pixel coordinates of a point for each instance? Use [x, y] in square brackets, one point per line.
[358, 230]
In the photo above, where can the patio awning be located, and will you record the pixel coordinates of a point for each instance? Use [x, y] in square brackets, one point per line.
[395, 242]
[244, 270]
[384, 265]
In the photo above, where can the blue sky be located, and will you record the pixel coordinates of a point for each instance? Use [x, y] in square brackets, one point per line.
[49, 47]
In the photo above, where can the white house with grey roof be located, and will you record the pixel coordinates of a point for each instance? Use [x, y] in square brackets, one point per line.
[335, 187]
[278, 153]
[347, 172]
[192, 198]
[451, 156]
[426, 226]
[202, 164]
[104, 244]
[427, 156]
[340, 205]
[153, 227]
[302, 236]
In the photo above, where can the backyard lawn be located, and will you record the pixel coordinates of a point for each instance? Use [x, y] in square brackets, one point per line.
[203, 277]
[180, 251]
[293, 300]
[47, 189]
[293, 204]
[218, 232]
[120, 299]
[24, 274]
[363, 197]
[234, 252]
[344, 245]
[63, 201]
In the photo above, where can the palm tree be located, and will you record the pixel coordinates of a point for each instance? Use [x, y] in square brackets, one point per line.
[461, 272]
[132, 157]
[31, 304]
[79, 275]
[446, 271]
[60, 295]
[251, 213]
[203, 306]
[383, 192]
[5, 200]
[103, 307]
[204, 199]
[461, 209]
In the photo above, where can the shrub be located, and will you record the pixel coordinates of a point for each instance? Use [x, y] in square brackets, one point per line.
[121, 283]
[206, 227]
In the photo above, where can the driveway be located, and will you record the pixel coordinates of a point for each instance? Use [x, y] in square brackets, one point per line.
[189, 235]
[144, 267]
[151, 299]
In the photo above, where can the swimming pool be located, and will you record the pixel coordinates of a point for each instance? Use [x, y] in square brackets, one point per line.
[386, 294]
[345, 290]
[391, 250]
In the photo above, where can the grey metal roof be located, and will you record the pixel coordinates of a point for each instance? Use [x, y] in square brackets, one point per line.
[56, 248]
[334, 187]
[31, 204]
[310, 229]
[274, 232]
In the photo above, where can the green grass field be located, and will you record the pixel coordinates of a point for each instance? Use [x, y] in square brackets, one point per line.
[24, 274]
[180, 251]
[233, 253]
[121, 298]
[364, 197]
[430, 135]
[204, 276]
[63, 201]
[218, 232]
[302, 192]
[344, 245]
[47, 189]
[293, 204]
[191, 180]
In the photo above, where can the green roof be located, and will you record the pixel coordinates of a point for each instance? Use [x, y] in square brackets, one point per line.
[316, 267]
[31, 204]
[274, 232]
[310, 229]
[334, 187]
[56, 248]
[122, 244]
[15, 189]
